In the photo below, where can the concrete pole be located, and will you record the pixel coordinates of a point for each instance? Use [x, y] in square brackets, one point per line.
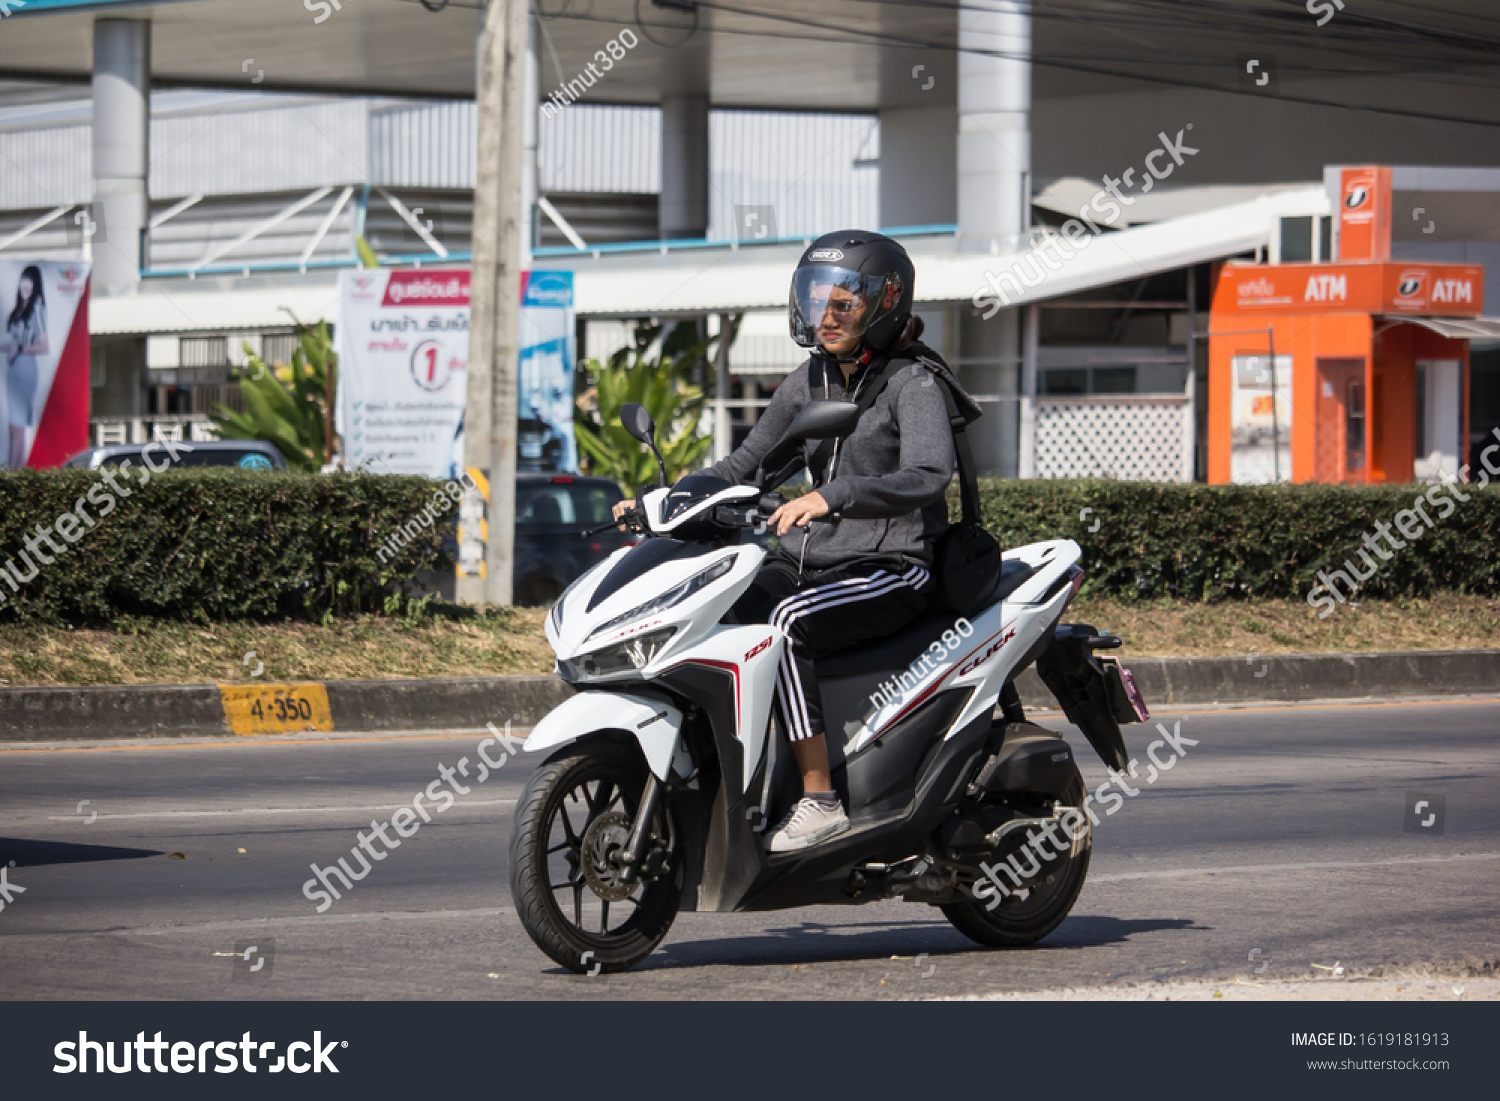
[495, 292]
[529, 183]
[684, 167]
[121, 133]
[1027, 464]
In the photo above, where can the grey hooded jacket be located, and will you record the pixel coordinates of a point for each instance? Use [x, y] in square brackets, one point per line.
[884, 484]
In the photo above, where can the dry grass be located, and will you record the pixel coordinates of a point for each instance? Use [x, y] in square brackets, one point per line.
[510, 640]
[507, 641]
[1182, 629]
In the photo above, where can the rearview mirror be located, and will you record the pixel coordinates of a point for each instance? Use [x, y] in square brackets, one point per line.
[635, 420]
[824, 419]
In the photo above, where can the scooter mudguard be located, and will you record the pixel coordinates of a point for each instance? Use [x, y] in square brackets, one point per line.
[656, 725]
[1078, 679]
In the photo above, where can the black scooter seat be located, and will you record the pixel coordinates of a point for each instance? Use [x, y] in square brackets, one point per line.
[897, 652]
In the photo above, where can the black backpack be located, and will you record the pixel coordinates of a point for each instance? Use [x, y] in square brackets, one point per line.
[966, 558]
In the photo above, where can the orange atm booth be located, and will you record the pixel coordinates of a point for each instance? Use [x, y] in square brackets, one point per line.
[1352, 371]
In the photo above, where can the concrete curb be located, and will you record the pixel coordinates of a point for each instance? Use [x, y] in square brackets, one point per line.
[1288, 678]
[196, 710]
[456, 702]
[375, 706]
[124, 711]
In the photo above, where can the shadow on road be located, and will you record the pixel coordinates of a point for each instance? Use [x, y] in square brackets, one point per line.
[815, 942]
[35, 854]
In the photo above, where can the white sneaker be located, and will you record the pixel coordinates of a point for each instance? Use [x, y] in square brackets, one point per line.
[808, 824]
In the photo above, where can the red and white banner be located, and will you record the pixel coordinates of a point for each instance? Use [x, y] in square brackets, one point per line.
[403, 369]
[44, 361]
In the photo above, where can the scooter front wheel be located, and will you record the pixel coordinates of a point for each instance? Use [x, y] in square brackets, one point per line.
[574, 816]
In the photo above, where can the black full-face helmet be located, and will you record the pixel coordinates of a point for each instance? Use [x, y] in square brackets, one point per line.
[851, 283]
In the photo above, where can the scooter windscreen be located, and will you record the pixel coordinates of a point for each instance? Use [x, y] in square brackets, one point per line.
[690, 492]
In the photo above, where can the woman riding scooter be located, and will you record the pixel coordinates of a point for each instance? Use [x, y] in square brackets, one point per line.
[856, 552]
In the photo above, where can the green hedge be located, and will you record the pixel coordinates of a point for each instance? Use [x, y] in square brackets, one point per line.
[217, 545]
[214, 545]
[1213, 542]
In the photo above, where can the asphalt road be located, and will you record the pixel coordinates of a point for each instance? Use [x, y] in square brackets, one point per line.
[1282, 830]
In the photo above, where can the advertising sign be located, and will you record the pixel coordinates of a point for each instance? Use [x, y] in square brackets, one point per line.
[403, 369]
[1365, 213]
[44, 361]
[1421, 289]
[544, 399]
[403, 366]
[1260, 420]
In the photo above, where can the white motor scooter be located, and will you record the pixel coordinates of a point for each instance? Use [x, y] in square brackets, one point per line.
[664, 770]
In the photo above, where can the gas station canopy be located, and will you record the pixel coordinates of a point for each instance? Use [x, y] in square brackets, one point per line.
[829, 55]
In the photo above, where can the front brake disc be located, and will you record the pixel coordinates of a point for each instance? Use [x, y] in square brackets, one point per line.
[605, 837]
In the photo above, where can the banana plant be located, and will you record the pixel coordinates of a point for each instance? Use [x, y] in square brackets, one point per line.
[660, 384]
[287, 406]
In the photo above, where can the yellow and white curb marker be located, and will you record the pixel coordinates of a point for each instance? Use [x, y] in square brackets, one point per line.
[276, 708]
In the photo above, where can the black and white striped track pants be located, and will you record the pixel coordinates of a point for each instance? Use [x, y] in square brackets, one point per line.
[822, 612]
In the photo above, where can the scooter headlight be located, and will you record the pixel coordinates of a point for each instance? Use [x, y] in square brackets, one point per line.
[627, 657]
[675, 595]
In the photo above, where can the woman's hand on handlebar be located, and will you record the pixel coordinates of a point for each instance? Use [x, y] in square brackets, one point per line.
[620, 509]
[798, 513]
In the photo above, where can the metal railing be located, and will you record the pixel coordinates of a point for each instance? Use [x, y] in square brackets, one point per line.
[151, 428]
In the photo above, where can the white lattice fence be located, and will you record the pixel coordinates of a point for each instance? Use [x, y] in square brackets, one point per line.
[1133, 437]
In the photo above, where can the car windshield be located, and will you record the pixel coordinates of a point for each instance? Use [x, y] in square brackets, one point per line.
[564, 503]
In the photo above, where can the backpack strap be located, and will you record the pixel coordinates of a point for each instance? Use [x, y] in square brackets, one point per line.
[968, 477]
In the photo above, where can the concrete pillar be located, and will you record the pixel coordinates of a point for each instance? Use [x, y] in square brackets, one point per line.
[1026, 464]
[723, 428]
[989, 366]
[994, 205]
[684, 166]
[994, 131]
[918, 166]
[121, 131]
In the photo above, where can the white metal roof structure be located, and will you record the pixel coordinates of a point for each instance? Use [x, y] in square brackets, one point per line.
[714, 280]
[731, 279]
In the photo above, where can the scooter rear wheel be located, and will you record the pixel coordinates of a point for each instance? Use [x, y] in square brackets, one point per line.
[576, 811]
[1024, 918]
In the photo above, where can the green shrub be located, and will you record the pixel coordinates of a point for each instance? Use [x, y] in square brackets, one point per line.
[1213, 542]
[214, 545]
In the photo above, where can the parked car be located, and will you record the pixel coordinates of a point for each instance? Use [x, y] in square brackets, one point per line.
[245, 454]
[551, 512]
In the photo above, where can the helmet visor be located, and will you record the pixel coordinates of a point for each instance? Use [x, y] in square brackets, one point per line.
[830, 305]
